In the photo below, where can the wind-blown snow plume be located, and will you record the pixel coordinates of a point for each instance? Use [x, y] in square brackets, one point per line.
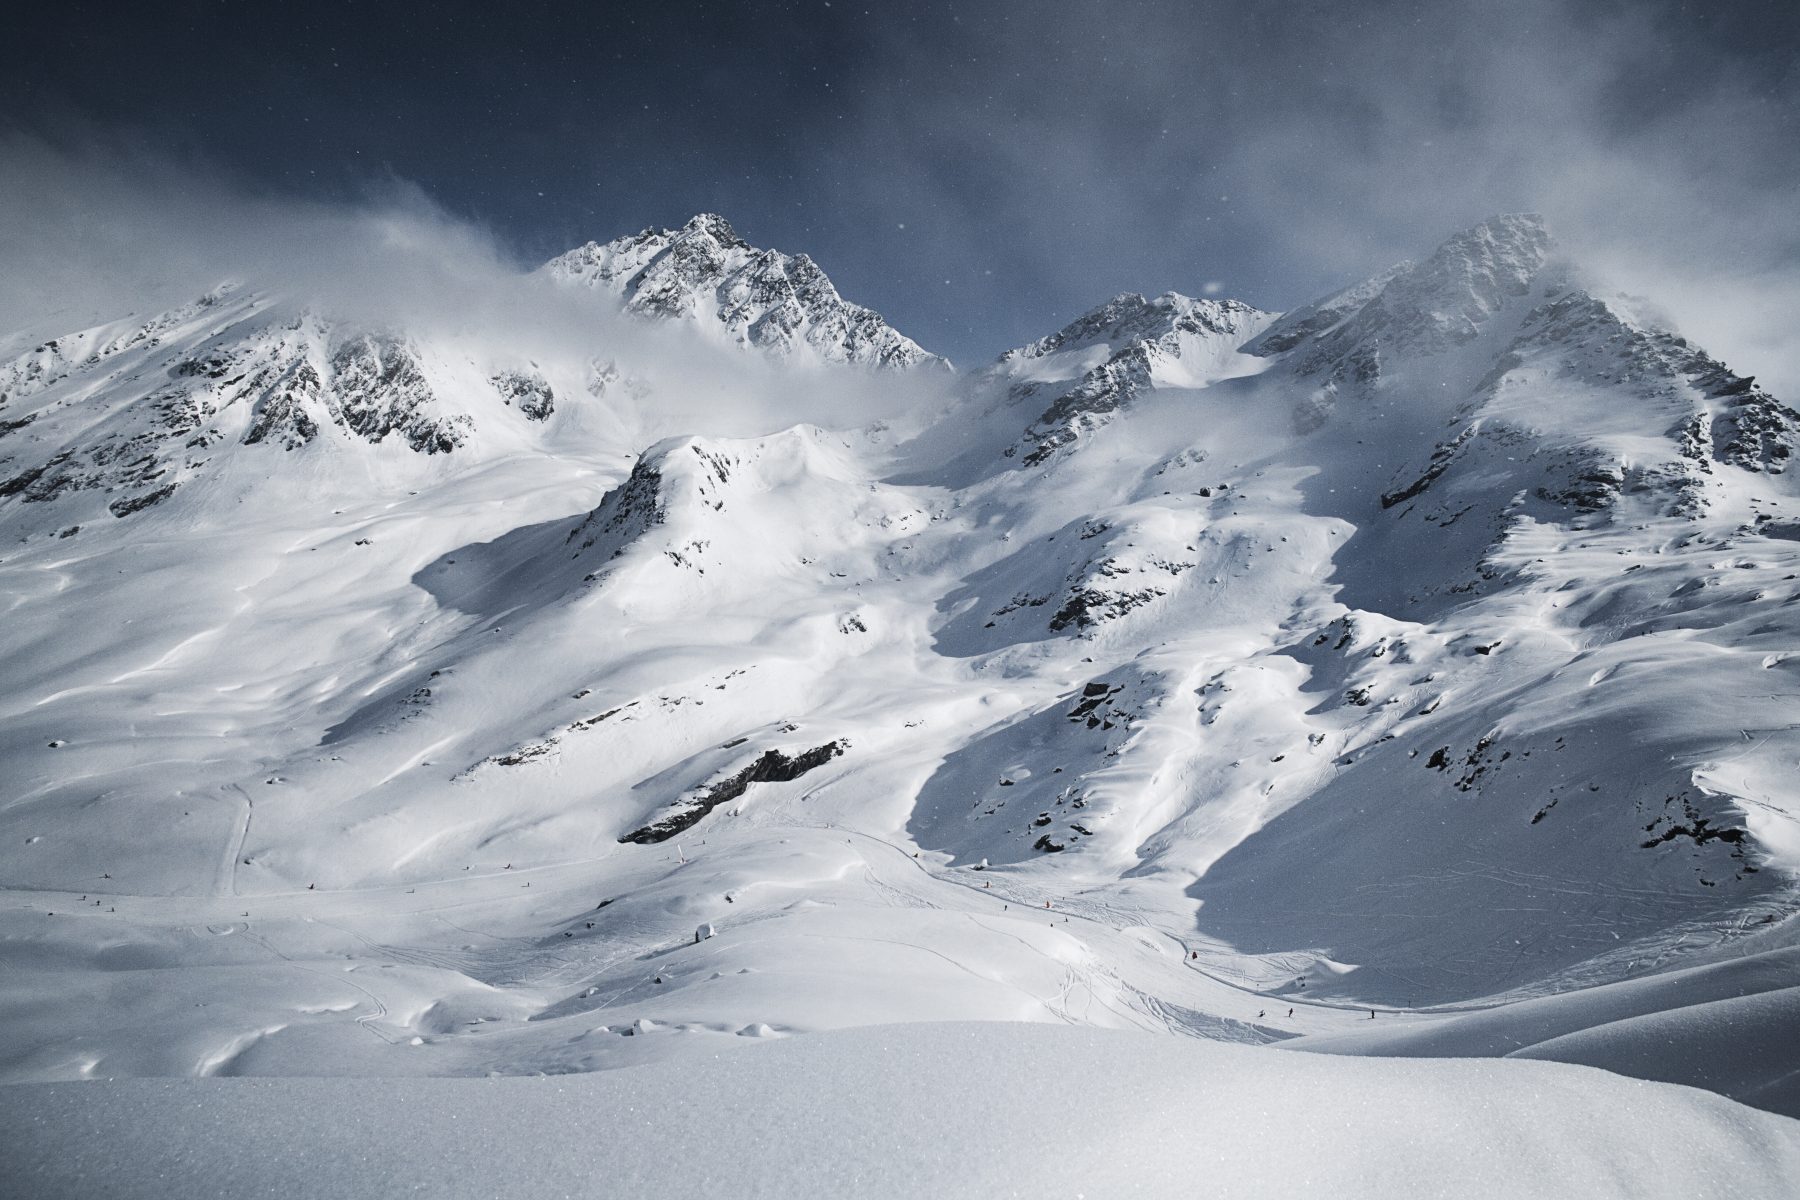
[99, 234]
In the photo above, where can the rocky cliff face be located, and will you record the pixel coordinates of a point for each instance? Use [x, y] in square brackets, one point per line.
[131, 413]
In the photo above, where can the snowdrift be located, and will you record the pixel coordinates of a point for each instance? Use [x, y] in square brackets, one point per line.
[918, 1110]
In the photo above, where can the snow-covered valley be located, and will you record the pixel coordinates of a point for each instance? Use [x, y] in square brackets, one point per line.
[1414, 674]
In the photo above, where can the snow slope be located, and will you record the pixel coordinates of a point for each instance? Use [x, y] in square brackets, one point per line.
[1726, 1025]
[1426, 652]
[917, 1110]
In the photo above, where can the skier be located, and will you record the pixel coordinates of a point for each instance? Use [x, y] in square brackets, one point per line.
[1290, 1012]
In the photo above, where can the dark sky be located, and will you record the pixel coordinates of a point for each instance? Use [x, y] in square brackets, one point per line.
[980, 172]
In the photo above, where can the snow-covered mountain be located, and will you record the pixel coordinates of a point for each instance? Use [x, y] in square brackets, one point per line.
[128, 411]
[377, 704]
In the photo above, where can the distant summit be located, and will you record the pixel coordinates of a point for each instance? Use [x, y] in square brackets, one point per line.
[782, 304]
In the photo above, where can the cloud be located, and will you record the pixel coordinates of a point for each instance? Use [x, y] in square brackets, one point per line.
[87, 226]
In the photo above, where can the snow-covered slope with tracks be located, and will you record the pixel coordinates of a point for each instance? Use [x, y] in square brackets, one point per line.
[1429, 650]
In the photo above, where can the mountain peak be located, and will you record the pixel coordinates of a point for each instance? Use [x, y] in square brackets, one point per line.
[714, 226]
[1503, 250]
[1130, 317]
[704, 272]
[1509, 225]
[1098, 363]
[1446, 301]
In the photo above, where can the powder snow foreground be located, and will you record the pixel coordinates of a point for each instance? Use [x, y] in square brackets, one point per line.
[959, 1109]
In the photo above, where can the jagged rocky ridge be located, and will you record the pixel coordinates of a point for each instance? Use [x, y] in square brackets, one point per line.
[762, 298]
[233, 368]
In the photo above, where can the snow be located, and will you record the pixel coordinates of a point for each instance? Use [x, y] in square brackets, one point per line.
[1427, 653]
[949, 1109]
[1728, 1026]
